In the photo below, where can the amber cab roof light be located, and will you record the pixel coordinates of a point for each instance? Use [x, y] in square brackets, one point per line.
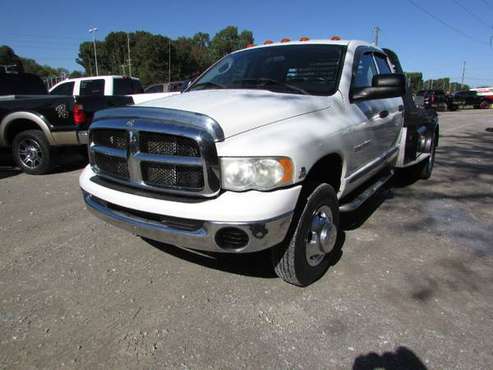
[268, 42]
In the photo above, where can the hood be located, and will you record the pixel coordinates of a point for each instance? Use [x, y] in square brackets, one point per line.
[238, 111]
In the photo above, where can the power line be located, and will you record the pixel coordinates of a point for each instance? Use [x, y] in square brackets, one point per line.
[448, 25]
[474, 15]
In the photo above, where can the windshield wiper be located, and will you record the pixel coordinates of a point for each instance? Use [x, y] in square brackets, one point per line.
[270, 82]
[204, 85]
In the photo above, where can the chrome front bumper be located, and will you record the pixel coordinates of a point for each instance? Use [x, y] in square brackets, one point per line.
[261, 235]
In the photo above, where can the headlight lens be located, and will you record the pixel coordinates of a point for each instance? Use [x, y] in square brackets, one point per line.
[240, 174]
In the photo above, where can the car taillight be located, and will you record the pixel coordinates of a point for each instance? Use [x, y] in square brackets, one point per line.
[79, 115]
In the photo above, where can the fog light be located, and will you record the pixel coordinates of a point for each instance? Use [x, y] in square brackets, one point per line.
[231, 238]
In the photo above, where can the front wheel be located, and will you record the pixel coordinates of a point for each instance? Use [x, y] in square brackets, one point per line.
[305, 256]
[425, 169]
[31, 152]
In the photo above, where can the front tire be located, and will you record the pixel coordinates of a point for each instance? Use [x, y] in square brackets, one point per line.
[305, 255]
[31, 152]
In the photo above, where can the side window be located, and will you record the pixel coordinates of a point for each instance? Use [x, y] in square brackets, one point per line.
[92, 87]
[364, 72]
[66, 88]
[383, 65]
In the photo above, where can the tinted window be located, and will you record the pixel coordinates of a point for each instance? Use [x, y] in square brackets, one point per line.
[383, 65]
[66, 88]
[126, 86]
[365, 71]
[92, 87]
[295, 69]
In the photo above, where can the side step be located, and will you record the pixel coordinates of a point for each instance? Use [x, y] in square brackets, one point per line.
[366, 194]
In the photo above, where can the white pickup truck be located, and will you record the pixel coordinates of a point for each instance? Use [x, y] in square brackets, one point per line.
[107, 86]
[261, 151]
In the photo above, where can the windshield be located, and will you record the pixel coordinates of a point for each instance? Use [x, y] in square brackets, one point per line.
[297, 69]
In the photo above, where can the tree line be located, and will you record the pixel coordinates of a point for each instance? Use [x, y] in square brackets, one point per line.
[417, 83]
[157, 58]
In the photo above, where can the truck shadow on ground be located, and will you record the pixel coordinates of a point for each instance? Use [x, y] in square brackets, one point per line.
[248, 264]
[402, 359]
[6, 172]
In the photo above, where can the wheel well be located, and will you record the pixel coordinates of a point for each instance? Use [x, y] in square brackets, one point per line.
[327, 169]
[18, 126]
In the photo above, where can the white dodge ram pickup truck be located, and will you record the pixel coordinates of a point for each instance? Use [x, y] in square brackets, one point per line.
[261, 151]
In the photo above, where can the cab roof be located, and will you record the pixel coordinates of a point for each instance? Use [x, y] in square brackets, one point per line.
[348, 43]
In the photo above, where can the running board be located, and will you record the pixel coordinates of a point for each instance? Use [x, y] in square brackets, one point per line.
[366, 194]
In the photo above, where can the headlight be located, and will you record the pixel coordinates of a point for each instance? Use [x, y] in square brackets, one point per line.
[256, 173]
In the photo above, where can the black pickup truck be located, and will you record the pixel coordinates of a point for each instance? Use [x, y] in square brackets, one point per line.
[470, 98]
[35, 125]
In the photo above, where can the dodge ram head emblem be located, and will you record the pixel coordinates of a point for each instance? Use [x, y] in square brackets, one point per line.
[130, 124]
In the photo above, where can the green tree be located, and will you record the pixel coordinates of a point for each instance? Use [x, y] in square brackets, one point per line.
[9, 58]
[228, 40]
[415, 80]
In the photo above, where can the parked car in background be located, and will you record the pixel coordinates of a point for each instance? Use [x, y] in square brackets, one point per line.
[105, 85]
[435, 99]
[36, 125]
[485, 92]
[264, 150]
[174, 86]
[471, 99]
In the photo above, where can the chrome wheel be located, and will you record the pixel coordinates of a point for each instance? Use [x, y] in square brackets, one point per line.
[321, 237]
[30, 153]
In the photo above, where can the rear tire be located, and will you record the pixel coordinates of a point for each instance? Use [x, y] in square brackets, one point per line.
[31, 152]
[305, 256]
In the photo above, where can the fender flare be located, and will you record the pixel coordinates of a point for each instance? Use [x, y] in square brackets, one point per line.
[35, 118]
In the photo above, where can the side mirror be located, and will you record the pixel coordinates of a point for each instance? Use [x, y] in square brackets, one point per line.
[383, 87]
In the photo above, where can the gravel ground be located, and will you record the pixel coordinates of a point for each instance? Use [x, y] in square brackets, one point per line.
[412, 289]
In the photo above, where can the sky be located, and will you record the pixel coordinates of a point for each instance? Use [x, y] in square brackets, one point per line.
[430, 36]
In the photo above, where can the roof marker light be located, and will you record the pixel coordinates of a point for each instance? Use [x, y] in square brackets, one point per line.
[268, 42]
[335, 38]
[250, 45]
[285, 39]
[304, 38]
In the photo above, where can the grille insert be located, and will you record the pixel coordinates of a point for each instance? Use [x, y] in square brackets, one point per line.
[117, 139]
[112, 166]
[163, 144]
[164, 175]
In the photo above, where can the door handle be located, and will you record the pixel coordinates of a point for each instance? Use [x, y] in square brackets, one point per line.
[383, 114]
[401, 108]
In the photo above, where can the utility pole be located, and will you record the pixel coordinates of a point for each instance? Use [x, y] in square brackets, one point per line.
[376, 34]
[129, 59]
[463, 73]
[93, 31]
[169, 60]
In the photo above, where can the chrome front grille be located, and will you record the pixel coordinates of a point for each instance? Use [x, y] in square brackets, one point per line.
[117, 139]
[153, 143]
[160, 156]
[111, 166]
